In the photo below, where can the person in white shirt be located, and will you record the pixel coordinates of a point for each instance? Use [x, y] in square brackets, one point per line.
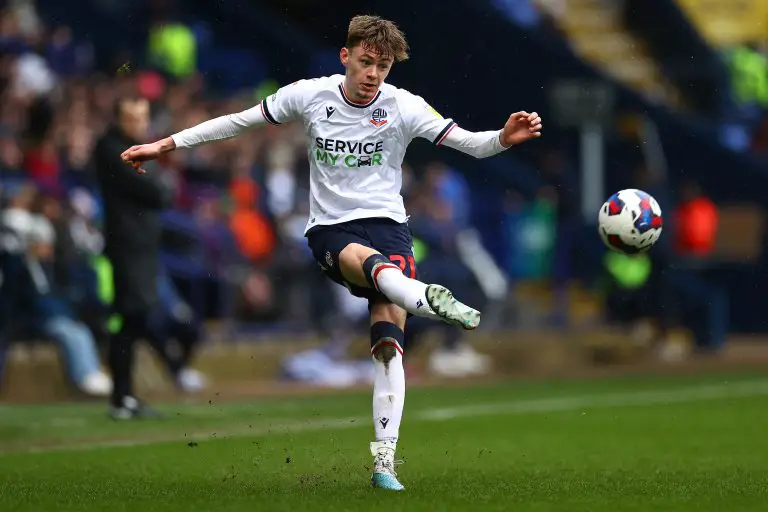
[358, 128]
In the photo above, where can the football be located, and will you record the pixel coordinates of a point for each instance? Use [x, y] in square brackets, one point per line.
[630, 221]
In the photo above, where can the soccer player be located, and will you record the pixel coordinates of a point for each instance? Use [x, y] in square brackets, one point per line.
[358, 128]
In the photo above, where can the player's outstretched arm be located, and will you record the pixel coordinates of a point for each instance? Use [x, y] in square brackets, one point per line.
[520, 127]
[224, 127]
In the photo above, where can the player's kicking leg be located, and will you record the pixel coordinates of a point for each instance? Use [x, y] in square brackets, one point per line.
[359, 262]
[365, 267]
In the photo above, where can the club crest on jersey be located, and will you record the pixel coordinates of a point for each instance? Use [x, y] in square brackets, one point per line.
[329, 258]
[379, 117]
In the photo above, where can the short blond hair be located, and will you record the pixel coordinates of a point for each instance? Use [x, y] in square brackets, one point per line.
[378, 34]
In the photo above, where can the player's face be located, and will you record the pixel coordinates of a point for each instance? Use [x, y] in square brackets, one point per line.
[366, 70]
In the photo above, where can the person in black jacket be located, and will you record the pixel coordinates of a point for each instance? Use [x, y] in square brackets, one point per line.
[132, 230]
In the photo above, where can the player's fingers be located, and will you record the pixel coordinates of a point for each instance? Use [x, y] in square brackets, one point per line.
[536, 128]
[130, 159]
[532, 116]
[126, 155]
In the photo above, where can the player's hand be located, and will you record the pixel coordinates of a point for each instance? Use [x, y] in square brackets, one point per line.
[135, 155]
[520, 127]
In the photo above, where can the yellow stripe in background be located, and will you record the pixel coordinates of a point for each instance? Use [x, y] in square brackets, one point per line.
[726, 23]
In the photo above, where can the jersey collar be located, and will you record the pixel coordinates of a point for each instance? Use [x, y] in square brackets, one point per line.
[357, 105]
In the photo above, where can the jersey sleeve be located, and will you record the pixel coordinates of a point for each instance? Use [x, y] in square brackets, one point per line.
[288, 103]
[421, 120]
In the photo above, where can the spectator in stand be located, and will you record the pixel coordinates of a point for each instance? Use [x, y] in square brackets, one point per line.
[704, 303]
[48, 314]
[34, 75]
[66, 57]
[440, 212]
[11, 36]
[696, 222]
[16, 222]
[10, 158]
[78, 243]
[252, 230]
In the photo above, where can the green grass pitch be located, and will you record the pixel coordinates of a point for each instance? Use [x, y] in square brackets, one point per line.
[660, 444]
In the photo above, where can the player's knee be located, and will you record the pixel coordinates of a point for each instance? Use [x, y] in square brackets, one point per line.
[352, 263]
[368, 267]
[386, 341]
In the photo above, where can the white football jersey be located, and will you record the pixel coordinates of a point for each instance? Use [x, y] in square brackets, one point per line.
[355, 151]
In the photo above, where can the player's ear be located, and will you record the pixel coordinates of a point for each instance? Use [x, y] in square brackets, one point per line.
[344, 56]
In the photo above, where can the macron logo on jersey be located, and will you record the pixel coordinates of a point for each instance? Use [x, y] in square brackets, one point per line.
[348, 153]
[329, 111]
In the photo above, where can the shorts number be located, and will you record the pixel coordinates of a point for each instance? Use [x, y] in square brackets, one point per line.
[401, 262]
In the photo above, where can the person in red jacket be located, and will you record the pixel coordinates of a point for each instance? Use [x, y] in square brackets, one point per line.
[252, 230]
[696, 221]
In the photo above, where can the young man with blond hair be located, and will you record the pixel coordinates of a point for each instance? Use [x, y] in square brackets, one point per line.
[358, 128]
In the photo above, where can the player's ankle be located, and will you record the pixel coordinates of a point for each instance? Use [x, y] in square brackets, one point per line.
[384, 448]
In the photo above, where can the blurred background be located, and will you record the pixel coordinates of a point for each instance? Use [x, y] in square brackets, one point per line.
[670, 96]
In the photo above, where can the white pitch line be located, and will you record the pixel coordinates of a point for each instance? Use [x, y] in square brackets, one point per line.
[259, 431]
[637, 398]
[519, 407]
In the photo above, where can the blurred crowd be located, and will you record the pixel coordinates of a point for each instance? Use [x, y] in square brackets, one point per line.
[233, 244]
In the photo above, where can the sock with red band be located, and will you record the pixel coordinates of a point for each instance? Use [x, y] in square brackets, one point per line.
[386, 277]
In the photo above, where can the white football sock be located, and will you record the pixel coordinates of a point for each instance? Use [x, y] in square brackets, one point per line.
[388, 390]
[407, 293]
